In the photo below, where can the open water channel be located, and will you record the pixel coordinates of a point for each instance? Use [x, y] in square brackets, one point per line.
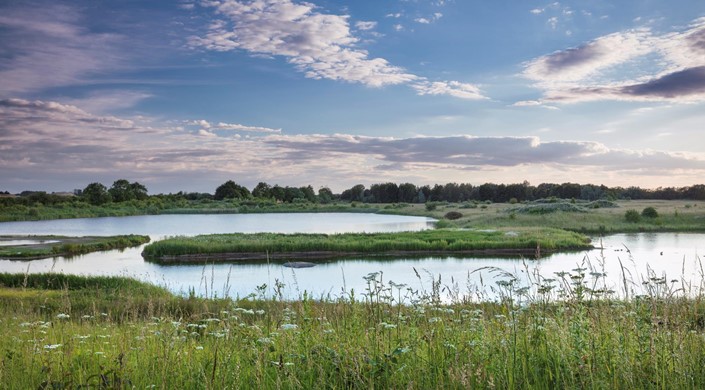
[675, 257]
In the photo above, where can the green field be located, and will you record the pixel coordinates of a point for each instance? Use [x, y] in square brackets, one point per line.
[263, 245]
[64, 332]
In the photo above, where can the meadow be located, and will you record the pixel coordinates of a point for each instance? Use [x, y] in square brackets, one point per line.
[589, 218]
[444, 241]
[567, 331]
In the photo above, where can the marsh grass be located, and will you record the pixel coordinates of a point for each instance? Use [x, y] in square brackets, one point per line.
[437, 240]
[566, 330]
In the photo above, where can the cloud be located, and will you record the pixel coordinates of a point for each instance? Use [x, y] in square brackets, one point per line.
[45, 47]
[634, 65]
[451, 88]
[433, 18]
[579, 63]
[364, 26]
[318, 44]
[209, 128]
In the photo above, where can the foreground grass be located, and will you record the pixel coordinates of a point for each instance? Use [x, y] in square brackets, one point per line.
[67, 246]
[427, 241]
[68, 332]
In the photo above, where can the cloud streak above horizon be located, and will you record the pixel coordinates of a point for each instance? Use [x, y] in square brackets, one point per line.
[41, 139]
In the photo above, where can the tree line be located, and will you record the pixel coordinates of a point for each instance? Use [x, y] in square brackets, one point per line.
[122, 191]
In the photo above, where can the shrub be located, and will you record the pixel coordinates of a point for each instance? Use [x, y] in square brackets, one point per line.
[452, 215]
[649, 212]
[632, 216]
[430, 206]
[513, 201]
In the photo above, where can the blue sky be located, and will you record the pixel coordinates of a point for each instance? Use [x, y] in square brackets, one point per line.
[185, 95]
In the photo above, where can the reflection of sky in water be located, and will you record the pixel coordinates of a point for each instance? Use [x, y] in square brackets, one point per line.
[675, 254]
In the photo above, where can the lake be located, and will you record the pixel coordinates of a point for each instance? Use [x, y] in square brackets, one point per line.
[675, 256]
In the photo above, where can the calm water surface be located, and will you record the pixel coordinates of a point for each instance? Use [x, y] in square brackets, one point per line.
[674, 255]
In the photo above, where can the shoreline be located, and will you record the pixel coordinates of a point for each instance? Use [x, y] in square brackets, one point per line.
[334, 255]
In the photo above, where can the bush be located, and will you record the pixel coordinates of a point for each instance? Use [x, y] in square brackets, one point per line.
[649, 212]
[632, 216]
[452, 215]
[430, 206]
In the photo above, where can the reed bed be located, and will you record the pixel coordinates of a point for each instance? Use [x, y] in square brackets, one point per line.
[566, 331]
[437, 240]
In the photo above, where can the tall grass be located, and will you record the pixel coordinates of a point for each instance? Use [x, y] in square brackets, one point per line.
[563, 331]
[438, 240]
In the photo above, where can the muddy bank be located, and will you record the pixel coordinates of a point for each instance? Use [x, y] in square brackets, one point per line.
[41, 247]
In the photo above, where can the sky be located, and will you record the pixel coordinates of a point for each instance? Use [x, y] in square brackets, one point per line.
[185, 95]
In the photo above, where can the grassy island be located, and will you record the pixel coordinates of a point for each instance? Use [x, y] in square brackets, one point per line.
[39, 247]
[241, 246]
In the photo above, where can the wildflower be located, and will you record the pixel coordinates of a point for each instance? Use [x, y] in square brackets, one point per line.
[265, 341]
[52, 346]
[260, 312]
[99, 353]
[62, 316]
[289, 326]
[199, 348]
[434, 319]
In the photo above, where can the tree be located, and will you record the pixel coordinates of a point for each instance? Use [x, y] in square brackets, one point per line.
[308, 193]
[407, 193]
[325, 195]
[139, 191]
[121, 191]
[262, 190]
[230, 190]
[96, 194]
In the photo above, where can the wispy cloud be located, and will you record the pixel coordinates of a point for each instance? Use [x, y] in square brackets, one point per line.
[606, 68]
[321, 45]
[207, 127]
[46, 47]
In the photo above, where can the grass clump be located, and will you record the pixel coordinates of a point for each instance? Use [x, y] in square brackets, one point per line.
[649, 212]
[632, 216]
[453, 215]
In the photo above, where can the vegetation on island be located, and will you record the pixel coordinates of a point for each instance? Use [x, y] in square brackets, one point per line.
[48, 246]
[567, 331]
[441, 241]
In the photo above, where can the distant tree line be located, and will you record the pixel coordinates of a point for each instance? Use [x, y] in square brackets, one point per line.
[124, 191]
[502, 193]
